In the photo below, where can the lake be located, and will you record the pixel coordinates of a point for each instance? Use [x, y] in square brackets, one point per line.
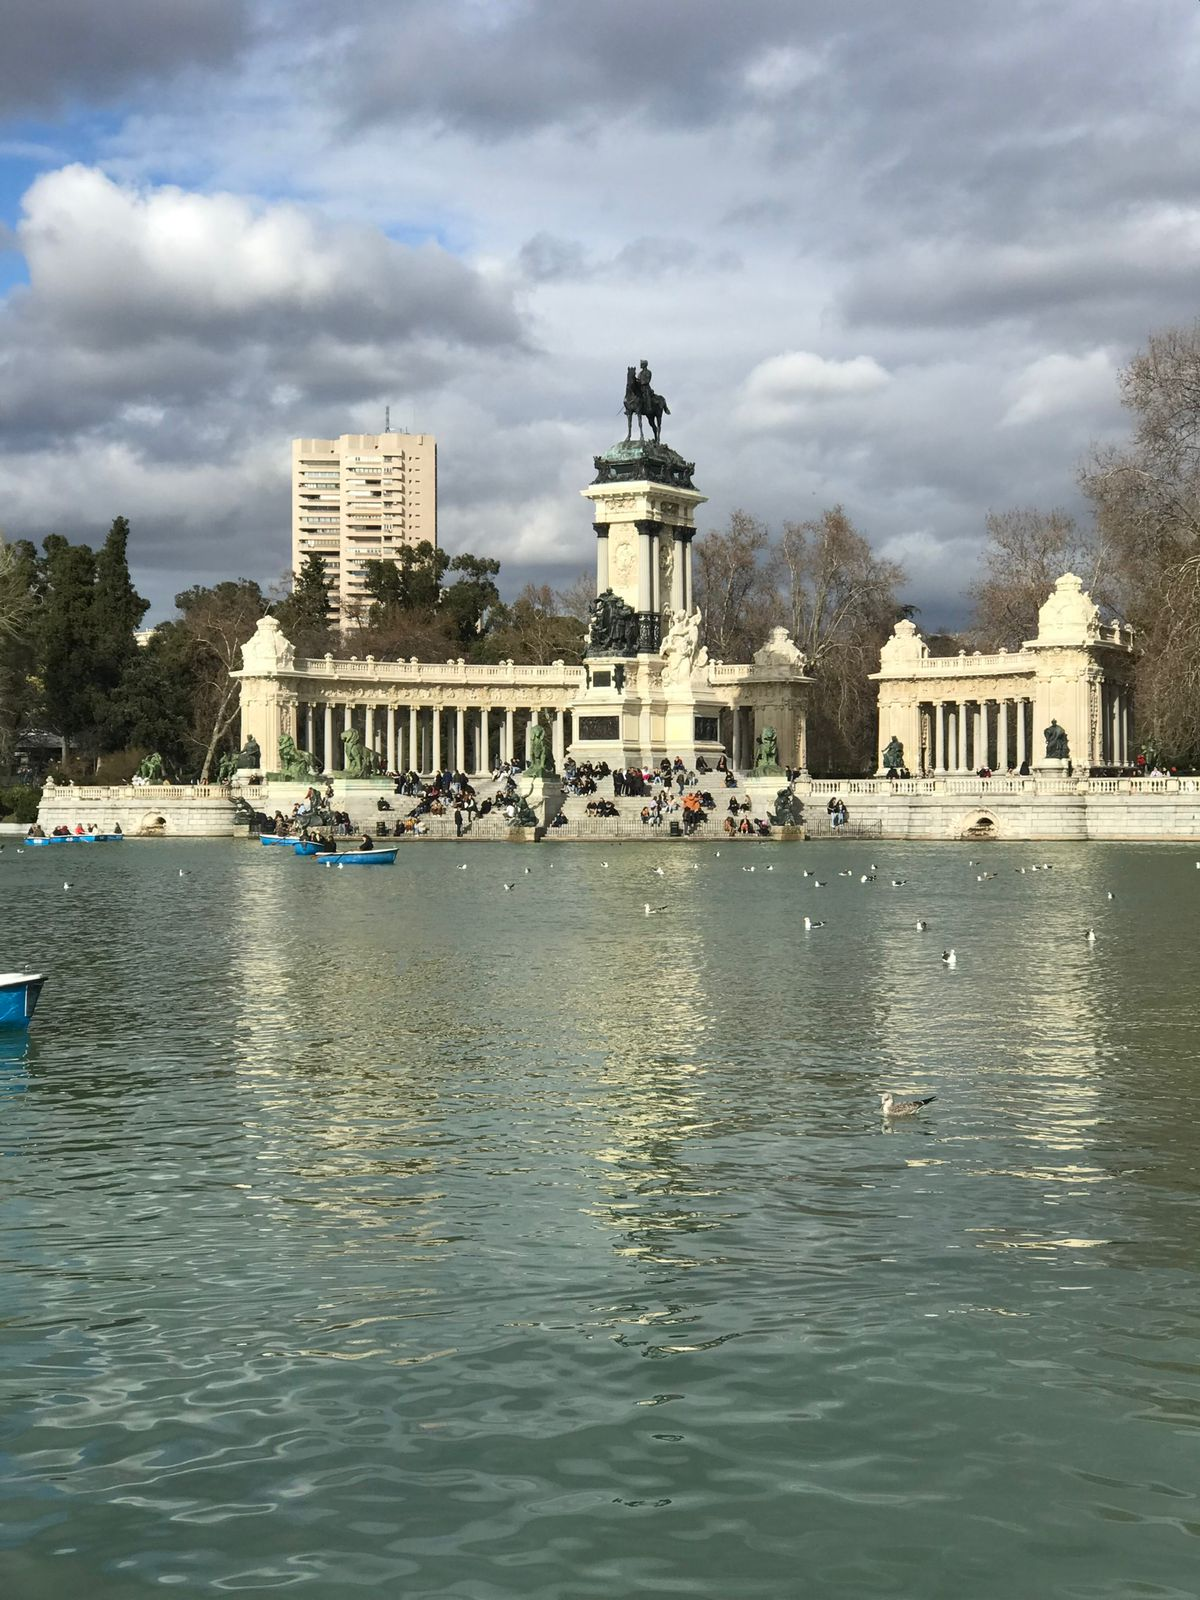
[394, 1230]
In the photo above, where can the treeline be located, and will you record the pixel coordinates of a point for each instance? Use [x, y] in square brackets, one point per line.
[70, 661]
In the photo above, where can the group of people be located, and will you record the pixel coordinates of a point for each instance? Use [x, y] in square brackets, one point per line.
[36, 831]
[838, 814]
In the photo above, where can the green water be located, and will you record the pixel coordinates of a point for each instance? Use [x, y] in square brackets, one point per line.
[386, 1230]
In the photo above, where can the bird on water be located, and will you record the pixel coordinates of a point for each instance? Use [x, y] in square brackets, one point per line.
[902, 1108]
[950, 958]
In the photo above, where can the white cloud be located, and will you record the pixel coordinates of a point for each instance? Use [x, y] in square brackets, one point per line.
[779, 389]
[1056, 385]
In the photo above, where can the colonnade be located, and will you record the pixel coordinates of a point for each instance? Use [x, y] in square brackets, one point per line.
[1116, 721]
[653, 539]
[427, 738]
[961, 736]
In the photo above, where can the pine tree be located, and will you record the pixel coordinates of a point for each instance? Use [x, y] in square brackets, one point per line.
[304, 615]
[117, 609]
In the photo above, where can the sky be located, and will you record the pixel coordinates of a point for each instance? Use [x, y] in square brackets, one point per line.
[887, 255]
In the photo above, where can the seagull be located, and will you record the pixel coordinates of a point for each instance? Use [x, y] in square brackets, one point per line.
[847, 874]
[659, 873]
[462, 866]
[528, 870]
[604, 864]
[898, 883]
[807, 872]
[818, 883]
[867, 877]
[747, 869]
[1091, 936]
[718, 857]
[1022, 870]
[809, 924]
[509, 886]
[696, 867]
[182, 873]
[922, 925]
[652, 911]
[1110, 895]
[341, 866]
[902, 1108]
[1033, 869]
[769, 869]
[874, 868]
[66, 886]
[949, 957]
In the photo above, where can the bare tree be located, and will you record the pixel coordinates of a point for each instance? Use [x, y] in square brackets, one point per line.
[1026, 553]
[1147, 502]
[839, 600]
[734, 588]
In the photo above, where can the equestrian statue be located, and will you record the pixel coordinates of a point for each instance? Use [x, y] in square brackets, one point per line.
[641, 401]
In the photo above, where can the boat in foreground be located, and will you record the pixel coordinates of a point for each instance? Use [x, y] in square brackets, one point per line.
[360, 858]
[276, 838]
[19, 997]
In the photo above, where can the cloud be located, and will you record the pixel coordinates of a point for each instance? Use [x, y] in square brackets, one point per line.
[59, 50]
[781, 389]
[1057, 384]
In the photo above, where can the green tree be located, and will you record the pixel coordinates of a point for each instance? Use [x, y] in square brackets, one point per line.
[18, 606]
[467, 601]
[304, 614]
[66, 643]
[117, 608]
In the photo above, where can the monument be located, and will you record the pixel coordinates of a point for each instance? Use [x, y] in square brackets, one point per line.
[650, 691]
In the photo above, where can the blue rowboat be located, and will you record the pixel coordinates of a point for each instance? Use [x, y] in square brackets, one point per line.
[306, 847]
[361, 858]
[35, 843]
[99, 838]
[19, 997]
[277, 838]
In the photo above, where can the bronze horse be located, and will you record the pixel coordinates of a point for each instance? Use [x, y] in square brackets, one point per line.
[641, 401]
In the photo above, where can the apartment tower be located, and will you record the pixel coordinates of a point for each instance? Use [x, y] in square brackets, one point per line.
[359, 498]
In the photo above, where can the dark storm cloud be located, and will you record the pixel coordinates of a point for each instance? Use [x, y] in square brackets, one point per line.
[56, 51]
[505, 68]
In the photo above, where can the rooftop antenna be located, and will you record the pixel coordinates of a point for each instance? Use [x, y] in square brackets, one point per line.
[387, 419]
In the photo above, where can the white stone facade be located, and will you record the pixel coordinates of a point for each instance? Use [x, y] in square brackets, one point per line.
[958, 714]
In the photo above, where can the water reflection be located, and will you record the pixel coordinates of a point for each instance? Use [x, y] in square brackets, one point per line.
[396, 1230]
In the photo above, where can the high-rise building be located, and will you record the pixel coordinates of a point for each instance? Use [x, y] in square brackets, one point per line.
[359, 498]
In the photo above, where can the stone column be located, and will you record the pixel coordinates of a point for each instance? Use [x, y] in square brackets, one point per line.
[1022, 732]
[736, 714]
[678, 574]
[684, 537]
[560, 742]
[482, 763]
[1114, 724]
[1126, 725]
[509, 749]
[645, 589]
[1002, 761]
[310, 728]
[327, 763]
[960, 722]
[414, 749]
[601, 556]
[460, 742]
[393, 761]
[369, 737]
[529, 727]
[435, 754]
[939, 737]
